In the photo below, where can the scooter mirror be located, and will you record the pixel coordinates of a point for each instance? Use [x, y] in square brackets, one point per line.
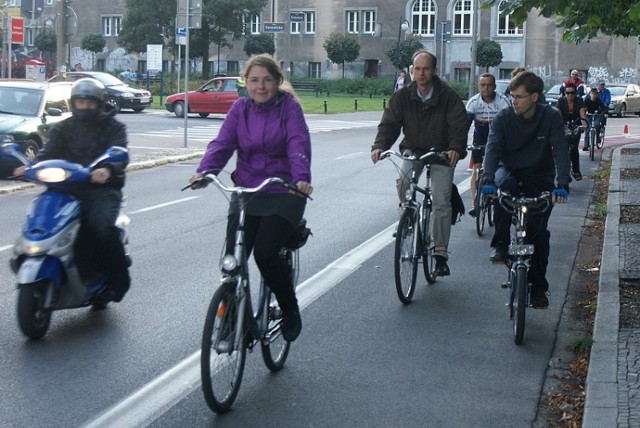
[112, 154]
[11, 150]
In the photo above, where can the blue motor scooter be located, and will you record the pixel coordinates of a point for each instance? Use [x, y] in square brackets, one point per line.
[45, 255]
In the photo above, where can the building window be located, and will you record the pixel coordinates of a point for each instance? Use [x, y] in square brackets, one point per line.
[111, 26]
[369, 21]
[423, 17]
[255, 24]
[101, 64]
[49, 2]
[29, 36]
[462, 17]
[462, 75]
[315, 70]
[506, 26]
[353, 26]
[232, 67]
[310, 22]
[306, 26]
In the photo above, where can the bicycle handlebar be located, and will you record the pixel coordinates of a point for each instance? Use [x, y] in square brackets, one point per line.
[431, 157]
[208, 177]
[511, 203]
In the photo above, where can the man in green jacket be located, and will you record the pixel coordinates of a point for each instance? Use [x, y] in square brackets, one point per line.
[430, 115]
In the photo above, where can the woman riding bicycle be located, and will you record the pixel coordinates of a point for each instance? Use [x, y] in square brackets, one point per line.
[572, 108]
[594, 105]
[268, 131]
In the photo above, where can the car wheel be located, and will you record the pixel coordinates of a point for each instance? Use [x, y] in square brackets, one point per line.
[203, 114]
[178, 109]
[113, 102]
[31, 149]
[138, 109]
[623, 110]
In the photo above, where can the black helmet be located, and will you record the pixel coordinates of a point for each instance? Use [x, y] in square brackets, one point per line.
[91, 89]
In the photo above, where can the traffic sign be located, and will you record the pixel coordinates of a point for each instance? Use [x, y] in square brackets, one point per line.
[296, 16]
[181, 31]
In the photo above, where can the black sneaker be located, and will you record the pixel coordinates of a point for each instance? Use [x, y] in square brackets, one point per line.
[585, 149]
[539, 300]
[498, 255]
[442, 269]
[472, 212]
[291, 325]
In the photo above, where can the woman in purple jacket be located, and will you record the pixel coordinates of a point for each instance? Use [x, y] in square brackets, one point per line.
[268, 131]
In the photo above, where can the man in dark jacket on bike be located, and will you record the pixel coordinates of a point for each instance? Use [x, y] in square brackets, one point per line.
[81, 139]
[525, 151]
[431, 115]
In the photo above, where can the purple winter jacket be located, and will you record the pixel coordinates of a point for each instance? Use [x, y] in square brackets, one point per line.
[272, 140]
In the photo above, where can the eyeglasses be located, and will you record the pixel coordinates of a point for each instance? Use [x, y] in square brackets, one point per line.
[570, 93]
[519, 97]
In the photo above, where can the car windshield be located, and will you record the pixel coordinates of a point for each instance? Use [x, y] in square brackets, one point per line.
[20, 101]
[555, 90]
[108, 80]
[617, 90]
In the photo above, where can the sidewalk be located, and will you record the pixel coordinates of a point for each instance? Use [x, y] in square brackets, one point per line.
[613, 380]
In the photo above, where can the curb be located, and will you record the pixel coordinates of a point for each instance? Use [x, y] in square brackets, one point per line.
[601, 386]
[14, 187]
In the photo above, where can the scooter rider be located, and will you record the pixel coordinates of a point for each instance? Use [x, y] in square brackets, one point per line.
[81, 139]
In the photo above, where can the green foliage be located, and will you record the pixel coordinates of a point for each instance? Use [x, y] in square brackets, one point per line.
[580, 19]
[93, 43]
[488, 53]
[342, 48]
[145, 23]
[46, 41]
[462, 89]
[581, 345]
[258, 44]
[400, 54]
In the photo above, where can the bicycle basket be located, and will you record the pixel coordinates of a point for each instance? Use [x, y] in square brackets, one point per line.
[299, 238]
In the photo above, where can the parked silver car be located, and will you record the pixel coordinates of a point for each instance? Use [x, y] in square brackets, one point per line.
[625, 98]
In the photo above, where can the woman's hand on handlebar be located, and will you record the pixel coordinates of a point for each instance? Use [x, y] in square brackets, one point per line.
[196, 182]
[304, 187]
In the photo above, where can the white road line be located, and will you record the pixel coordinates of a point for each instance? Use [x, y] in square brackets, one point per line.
[166, 204]
[352, 155]
[149, 402]
[6, 247]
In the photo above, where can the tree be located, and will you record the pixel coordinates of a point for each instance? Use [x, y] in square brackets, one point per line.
[488, 53]
[261, 43]
[580, 19]
[46, 41]
[93, 43]
[146, 23]
[400, 54]
[341, 48]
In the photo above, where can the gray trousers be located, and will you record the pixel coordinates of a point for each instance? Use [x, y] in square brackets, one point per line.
[441, 185]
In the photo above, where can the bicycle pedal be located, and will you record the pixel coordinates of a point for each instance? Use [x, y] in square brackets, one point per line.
[275, 313]
[504, 285]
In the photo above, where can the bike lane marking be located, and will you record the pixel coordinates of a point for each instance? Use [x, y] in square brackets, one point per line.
[148, 403]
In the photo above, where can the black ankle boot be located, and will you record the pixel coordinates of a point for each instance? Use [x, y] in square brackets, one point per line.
[291, 325]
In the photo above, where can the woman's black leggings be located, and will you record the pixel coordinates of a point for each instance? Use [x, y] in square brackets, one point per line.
[266, 236]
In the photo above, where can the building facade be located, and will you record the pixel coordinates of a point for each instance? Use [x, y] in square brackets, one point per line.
[300, 27]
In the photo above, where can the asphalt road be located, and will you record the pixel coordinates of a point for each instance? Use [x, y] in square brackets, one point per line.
[363, 359]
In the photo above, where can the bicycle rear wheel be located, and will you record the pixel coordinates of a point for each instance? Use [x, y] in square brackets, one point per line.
[426, 246]
[519, 294]
[489, 206]
[221, 365]
[406, 257]
[592, 141]
[275, 348]
[480, 212]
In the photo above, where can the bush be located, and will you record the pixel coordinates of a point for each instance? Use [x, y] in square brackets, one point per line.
[461, 88]
[362, 87]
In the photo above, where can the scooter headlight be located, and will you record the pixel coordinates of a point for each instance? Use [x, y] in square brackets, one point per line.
[52, 175]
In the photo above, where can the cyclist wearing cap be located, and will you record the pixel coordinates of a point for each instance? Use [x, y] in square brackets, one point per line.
[604, 94]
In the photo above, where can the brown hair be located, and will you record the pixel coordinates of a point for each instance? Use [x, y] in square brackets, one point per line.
[273, 68]
[531, 82]
[434, 60]
[516, 71]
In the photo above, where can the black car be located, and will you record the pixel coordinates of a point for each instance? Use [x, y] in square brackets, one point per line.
[29, 109]
[120, 95]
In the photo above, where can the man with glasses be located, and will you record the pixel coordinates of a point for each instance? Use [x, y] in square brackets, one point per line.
[575, 79]
[526, 147]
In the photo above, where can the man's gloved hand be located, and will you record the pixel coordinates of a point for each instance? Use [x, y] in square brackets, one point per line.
[489, 189]
[559, 195]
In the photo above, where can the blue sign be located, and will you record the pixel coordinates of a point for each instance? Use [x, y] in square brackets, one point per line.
[181, 31]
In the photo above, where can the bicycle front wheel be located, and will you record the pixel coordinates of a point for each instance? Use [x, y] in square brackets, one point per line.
[519, 294]
[406, 257]
[592, 143]
[480, 212]
[601, 139]
[426, 245]
[221, 360]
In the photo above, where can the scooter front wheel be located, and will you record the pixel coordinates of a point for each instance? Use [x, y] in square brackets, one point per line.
[33, 319]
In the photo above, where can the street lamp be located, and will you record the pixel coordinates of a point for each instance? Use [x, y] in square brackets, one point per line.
[403, 28]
